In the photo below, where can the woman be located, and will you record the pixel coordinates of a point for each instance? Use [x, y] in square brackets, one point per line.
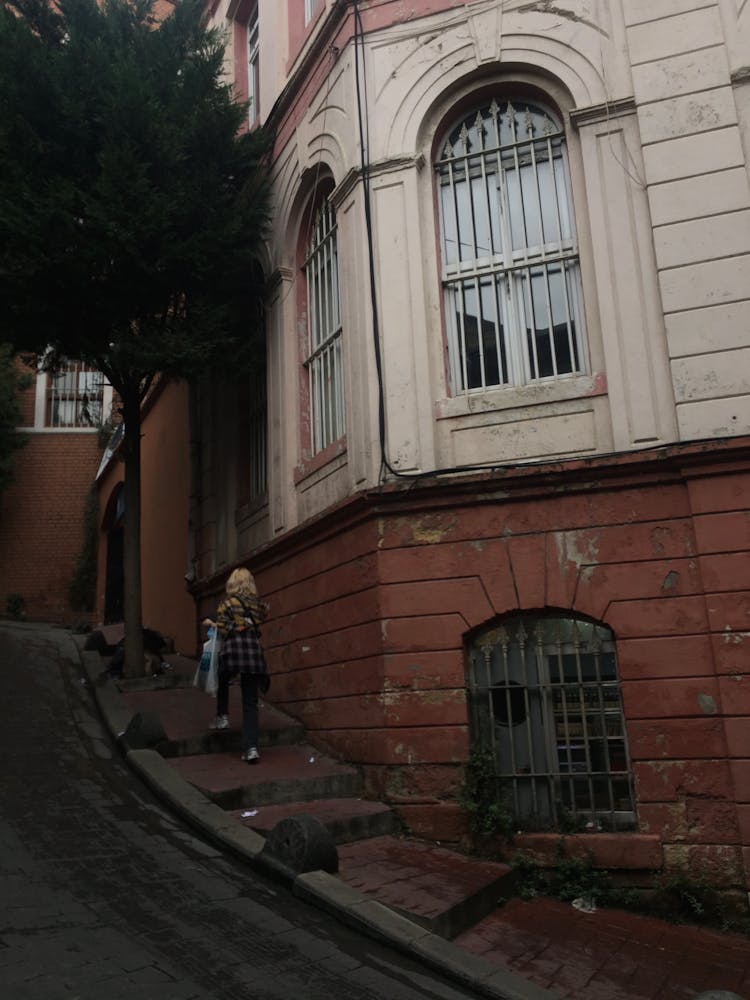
[238, 618]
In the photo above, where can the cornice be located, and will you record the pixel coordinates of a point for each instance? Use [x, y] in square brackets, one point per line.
[320, 44]
[379, 169]
[597, 113]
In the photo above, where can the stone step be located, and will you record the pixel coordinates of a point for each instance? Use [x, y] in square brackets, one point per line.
[185, 714]
[347, 819]
[284, 774]
[440, 889]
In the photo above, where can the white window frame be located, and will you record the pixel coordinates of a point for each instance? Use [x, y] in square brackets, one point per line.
[324, 362]
[253, 66]
[75, 397]
[510, 267]
[311, 9]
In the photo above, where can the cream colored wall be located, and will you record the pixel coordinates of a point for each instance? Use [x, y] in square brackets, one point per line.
[656, 98]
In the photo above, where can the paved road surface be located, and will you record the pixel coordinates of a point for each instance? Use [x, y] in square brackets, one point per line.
[105, 896]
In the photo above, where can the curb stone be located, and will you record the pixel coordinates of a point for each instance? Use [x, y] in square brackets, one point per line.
[318, 888]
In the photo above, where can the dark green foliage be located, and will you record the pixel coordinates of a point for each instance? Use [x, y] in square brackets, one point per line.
[12, 381]
[15, 607]
[83, 582]
[483, 799]
[569, 879]
[131, 210]
[676, 898]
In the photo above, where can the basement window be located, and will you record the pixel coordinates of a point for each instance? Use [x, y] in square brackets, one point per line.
[545, 697]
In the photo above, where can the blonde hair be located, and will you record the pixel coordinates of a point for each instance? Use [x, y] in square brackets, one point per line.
[241, 583]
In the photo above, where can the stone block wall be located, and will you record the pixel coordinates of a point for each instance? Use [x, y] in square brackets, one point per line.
[373, 607]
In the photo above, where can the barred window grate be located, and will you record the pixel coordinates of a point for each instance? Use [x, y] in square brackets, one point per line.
[545, 697]
[509, 251]
[257, 435]
[75, 396]
[325, 362]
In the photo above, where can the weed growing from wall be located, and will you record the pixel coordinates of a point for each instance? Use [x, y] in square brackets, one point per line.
[680, 899]
[82, 589]
[484, 798]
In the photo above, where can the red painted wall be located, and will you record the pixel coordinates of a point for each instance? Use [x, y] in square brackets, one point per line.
[372, 605]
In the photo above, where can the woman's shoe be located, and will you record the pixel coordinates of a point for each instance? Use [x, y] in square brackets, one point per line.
[220, 722]
[251, 756]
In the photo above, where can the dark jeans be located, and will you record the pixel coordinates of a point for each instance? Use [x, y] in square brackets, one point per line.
[249, 689]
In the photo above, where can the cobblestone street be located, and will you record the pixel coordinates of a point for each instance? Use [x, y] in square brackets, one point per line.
[106, 895]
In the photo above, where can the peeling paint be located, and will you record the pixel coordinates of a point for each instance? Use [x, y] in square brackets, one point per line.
[708, 704]
[390, 697]
[732, 638]
[550, 7]
[577, 547]
[431, 530]
[670, 580]
[658, 537]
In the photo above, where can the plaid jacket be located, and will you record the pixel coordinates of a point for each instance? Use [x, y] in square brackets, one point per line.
[235, 614]
[237, 619]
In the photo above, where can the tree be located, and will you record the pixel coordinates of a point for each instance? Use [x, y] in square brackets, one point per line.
[12, 383]
[133, 206]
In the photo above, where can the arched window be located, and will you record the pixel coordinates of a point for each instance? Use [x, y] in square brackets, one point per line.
[545, 698]
[509, 251]
[324, 361]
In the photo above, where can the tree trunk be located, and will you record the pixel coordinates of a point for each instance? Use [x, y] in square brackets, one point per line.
[133, 615]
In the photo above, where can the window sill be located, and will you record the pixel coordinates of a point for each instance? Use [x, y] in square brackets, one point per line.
[516, 397]
[59, 430]
[308, 467]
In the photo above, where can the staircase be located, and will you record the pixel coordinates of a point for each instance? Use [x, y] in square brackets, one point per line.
[445, 891]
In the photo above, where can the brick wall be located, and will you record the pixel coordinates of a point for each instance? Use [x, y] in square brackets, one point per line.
[371, 609]
[41, 522]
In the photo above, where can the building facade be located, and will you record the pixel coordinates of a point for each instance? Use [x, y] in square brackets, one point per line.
[495, 482]
[43, 522]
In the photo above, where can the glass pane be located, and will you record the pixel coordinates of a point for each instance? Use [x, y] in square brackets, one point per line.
[450, 239]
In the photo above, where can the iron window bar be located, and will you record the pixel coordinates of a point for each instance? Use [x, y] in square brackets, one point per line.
[75, 396]
[506, 213]
[545, 698]
[324, 362]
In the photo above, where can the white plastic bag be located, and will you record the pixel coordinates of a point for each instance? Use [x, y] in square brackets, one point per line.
[206, 674]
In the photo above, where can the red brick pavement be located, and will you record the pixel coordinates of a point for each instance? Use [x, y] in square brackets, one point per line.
[609, 954]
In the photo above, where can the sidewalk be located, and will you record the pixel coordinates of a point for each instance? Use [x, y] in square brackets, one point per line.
[405, 892]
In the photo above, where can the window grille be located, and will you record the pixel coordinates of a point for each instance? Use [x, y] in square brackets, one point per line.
[253, 66]
[324, 363]
[75, 396]
[545, 697]
[510, 257]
